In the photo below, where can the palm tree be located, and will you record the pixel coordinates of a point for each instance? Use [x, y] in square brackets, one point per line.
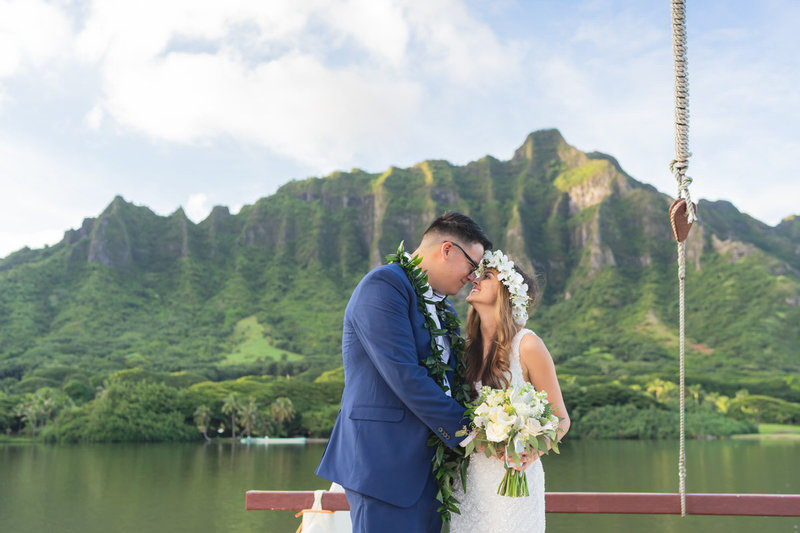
[231, 406]
[720, 401]
[661, 390]
[282, 411]
[49, 403]
[202, 418]
[28, 413]
[696, 392]
[250, 417]
[40, 408]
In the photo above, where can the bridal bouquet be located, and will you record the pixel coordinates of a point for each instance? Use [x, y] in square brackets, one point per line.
[512, 422]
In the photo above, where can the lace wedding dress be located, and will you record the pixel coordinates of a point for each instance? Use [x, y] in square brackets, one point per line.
[482, 509]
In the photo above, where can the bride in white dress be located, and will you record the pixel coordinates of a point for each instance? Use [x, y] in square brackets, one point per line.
[500, 353]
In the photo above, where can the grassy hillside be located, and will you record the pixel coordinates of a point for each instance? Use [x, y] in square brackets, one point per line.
[263, 292]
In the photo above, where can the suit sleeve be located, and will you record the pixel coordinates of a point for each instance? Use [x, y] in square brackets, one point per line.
[380, 318]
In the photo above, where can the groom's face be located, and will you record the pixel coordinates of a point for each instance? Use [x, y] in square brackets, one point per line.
[459, 263]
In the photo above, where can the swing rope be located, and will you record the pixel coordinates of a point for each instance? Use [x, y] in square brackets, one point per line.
[678, 167]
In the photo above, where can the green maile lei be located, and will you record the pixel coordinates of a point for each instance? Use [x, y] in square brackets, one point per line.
[448, 465]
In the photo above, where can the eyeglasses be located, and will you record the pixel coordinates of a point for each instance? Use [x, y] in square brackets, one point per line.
[472, 263]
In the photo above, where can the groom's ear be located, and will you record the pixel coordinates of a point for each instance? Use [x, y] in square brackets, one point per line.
[444, 250]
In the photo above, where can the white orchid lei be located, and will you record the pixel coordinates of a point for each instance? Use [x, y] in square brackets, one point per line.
[513, 281]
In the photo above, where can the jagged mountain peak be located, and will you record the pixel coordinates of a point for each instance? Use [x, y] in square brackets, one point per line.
[220, 211]
[542, 147]
[790, 227]
[598, 238]
[118, 203]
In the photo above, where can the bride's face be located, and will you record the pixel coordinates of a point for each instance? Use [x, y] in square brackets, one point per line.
[485, 289]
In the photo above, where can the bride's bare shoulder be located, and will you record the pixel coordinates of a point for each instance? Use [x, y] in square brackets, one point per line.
[531, 342]
[533, 352]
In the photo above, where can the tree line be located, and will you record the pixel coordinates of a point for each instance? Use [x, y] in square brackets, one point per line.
[134, 405]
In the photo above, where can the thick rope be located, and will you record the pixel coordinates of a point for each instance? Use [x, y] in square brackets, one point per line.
[682, 454]
[680, 164]
[678, 167]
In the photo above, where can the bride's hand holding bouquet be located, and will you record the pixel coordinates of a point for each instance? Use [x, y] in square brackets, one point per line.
[517, 425]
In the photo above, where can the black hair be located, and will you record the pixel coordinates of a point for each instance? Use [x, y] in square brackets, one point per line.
[461, 227]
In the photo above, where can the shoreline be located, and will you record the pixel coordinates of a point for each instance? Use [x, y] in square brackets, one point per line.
[767, 436]
[746, 436]
[223, 440]
[767, 431]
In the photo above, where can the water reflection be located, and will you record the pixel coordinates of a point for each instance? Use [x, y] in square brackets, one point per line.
[130, 488]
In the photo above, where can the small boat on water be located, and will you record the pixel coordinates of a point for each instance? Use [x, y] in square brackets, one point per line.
[273, 440]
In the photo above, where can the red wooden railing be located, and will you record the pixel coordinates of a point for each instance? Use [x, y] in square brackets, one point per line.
[577, 502]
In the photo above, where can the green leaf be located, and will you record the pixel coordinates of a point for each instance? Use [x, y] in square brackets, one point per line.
[470, 447]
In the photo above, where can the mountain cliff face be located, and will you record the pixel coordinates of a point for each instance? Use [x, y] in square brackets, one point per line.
[130, 288]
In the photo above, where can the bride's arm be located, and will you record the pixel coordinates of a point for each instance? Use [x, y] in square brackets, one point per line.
[538, 369]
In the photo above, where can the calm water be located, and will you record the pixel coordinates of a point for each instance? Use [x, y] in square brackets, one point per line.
[195, 488]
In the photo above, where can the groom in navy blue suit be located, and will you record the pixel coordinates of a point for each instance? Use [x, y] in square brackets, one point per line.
[390, 404]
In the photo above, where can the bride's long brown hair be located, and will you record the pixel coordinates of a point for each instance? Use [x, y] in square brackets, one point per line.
[492, 370]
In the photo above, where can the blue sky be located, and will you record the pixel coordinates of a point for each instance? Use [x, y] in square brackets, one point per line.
[194, 103]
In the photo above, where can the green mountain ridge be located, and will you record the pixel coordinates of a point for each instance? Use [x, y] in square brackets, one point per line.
[131, 289]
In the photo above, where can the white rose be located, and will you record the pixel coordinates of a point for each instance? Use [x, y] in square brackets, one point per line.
[523, 409]
[506, 419]
[533, 427]
[494, 412]
[496, 432]
[549, 426]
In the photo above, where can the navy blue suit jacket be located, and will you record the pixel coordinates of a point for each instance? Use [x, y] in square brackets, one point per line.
[390, 403]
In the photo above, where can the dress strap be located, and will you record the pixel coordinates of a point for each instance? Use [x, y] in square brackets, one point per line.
[517, 340]
[515, 365]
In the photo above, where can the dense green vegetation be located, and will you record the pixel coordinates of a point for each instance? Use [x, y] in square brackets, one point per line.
[151, 407]
[141, 406]
[138, 327]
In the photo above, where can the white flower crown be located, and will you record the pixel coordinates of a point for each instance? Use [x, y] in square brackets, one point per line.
[513, 281]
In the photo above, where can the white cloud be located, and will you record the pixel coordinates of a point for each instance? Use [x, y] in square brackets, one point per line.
[41, 197]
[311, 86]
[607, 85]
[745, 111]
[94, 118]
[287, 76]
[605, 80]
[297, 106]
[459, 46]
[31, 32]
[328, 84]
[380, 27]
[198, 207]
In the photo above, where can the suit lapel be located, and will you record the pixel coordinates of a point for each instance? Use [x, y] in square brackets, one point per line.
[423, 336]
